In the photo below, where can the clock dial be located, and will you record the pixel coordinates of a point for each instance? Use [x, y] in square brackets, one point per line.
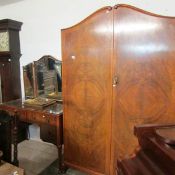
[4, 41]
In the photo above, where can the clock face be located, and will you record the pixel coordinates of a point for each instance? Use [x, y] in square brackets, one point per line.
[4, 41]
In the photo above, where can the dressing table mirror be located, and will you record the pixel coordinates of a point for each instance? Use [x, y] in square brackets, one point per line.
[42, 78]
[48, 76]
[28, 81]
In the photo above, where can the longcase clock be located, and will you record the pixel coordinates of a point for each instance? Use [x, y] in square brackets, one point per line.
[10, 86]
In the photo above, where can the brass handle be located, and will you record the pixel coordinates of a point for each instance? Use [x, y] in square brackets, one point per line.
[115, 81]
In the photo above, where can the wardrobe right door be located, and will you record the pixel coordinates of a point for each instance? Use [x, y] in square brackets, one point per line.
[144, 67]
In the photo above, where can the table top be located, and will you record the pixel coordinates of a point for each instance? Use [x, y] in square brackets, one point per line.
[9, 169]
[56, 108]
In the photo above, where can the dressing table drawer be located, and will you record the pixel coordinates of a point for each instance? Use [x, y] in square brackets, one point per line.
[30, 116]
[22, 116]
[40, 117]
[49, 119]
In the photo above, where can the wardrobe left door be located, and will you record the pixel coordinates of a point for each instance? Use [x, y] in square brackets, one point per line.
[87, 53]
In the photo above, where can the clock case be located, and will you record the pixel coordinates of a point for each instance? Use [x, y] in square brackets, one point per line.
[10, 84]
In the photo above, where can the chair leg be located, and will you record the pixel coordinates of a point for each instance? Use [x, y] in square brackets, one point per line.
[15, 140]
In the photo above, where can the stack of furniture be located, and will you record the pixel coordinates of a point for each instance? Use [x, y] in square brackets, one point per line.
[118, 72]
[49, 118]
[157, 152]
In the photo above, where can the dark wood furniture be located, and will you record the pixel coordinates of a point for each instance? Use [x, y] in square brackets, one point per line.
[118, 72]
[5, 135]
[51, 118]
[156, 155]
[1, 154]
[10, 85]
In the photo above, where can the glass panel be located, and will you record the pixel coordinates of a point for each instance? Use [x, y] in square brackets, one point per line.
[4, 41]
[43, 78]
[28, 81]
[58, 69]
[48, 77]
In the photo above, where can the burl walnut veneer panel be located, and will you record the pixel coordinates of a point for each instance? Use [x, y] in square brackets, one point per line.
[86, 48]
[144, 56]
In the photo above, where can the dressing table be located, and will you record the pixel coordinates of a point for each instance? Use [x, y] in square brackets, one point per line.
[51, 117]
[42, 84]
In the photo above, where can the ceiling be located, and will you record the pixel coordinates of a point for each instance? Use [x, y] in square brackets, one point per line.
[7, 2]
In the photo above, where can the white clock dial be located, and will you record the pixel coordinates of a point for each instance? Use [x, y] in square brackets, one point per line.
[4, 41]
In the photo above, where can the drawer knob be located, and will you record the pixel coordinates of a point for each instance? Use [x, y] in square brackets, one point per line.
[44, 116]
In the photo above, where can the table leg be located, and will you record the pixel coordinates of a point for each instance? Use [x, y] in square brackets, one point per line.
[60, 143]
[15, 140]
[60, 158]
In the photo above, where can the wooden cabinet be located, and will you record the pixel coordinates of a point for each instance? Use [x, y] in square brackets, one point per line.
[9, 60]
[118, 72]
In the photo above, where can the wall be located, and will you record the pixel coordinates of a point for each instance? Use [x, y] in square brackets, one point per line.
[44, 19]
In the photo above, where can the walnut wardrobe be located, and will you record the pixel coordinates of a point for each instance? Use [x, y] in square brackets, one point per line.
[118, 72]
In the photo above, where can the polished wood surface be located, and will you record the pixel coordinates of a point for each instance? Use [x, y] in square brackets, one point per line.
[120, 61]
[154, 157]
[48, 115]
[166, 134]
[7, 169]
[86, 48]
[50, 119]
[144, 64]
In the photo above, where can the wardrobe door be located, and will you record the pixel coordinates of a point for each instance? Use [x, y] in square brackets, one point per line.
[86, 53]
[144, 47]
